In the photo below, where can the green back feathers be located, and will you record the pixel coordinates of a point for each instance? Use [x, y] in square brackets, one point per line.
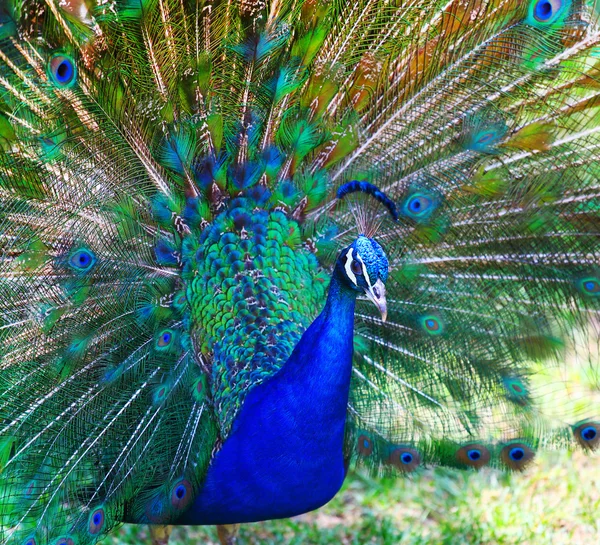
[244, 276]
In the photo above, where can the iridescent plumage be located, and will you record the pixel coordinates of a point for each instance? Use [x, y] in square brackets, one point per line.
[209, 209]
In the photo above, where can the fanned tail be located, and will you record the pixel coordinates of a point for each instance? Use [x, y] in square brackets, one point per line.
[483, 128]
[131, 132]
[103, 413]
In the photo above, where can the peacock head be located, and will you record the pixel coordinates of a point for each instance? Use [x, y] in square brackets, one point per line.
[363, 267]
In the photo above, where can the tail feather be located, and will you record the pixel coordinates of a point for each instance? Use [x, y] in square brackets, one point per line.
[489, 153]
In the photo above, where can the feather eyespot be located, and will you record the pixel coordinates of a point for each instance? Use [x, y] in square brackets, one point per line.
[482, 131]
[587, 434]
[474, 455]
[181, 494]
[63, 71]
[405, 459]
[516, 455]
[160, 393]
[419, 206]
[545, 9]
[96, 521]
[364, 445]
[82, 260]
[516, 390]
[545, 12]
[29, 489]
[165, 338]
[486, 137]
[156, 510]
[65, 541]
[198, 389]
[30, 541]
[432, 325]
[590, 286]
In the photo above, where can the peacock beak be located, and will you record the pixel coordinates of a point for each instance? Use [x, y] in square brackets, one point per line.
[376, 293]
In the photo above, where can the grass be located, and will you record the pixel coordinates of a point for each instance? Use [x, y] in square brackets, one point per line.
[555, 502]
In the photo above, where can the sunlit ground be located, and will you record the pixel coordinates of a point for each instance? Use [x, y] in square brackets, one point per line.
[556, 501]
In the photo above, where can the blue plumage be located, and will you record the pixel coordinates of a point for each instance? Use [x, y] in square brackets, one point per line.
[370, 189]
[284, 455]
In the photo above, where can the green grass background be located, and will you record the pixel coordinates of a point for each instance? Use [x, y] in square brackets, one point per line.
[556, 501]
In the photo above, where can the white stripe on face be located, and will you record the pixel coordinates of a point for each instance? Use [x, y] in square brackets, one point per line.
[348, 267]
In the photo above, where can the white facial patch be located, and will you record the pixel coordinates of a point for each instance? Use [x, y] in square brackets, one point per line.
[348, 267]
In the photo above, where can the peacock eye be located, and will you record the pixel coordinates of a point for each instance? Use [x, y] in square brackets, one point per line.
[181, 494]
[96, 521]
[419, 204]
[517, 454]
[546, 12]
[356, 268]
[590, 286]
[545, 9]
[62, 70]
[474, 455]
[82, 260]
[589, 433]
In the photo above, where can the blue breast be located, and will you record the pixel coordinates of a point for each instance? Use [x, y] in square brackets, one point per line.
[284, 455]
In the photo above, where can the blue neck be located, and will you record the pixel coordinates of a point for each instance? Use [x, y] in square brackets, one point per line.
[322, 360]
[284, 455]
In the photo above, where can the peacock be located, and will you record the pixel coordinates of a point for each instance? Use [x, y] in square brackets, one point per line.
[246, 246]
